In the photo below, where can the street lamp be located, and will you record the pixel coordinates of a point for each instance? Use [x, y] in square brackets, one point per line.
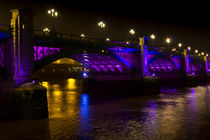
[168, 40]
[52, 13]
[82, 35]
[46, 30]
[131, 31]
[196, 51]
[101, 24]
[107, 39]
[202, 53]
[189, 48]
[152, 36]
[180, 45]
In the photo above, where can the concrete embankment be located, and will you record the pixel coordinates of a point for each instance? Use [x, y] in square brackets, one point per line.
[28, 101]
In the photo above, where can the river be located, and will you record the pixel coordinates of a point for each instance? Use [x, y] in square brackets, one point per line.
[175, 113]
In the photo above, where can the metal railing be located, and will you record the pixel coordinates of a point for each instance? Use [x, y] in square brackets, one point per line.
[5, 28]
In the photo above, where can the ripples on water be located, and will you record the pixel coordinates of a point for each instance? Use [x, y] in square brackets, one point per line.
[182, 113]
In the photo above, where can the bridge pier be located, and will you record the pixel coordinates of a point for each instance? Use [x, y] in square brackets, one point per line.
[206, 65]
[22, 62]
[143, 42]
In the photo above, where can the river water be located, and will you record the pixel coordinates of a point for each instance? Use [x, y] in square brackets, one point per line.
[175, 113]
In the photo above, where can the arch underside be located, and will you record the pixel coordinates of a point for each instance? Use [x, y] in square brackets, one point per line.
[101, 63]
[195, 68]
[162, 65]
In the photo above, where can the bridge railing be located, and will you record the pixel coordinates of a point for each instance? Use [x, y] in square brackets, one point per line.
[5, 28]
[64, 36]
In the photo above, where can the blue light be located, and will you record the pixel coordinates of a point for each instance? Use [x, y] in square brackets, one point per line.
[3, 35]
[84, 74]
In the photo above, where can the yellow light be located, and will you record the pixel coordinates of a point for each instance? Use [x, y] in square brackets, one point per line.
[202, 53]
[102, 50]
[71, 85]
[49, 12]
[180, 45]
[189, 48]
[196, 51]
[45, 84]
[152, 36]
[207, 54]
[168, 40]
[56, 14]
[101, 24]
[107, 39]
[82, 35]
[174, 49]
[127, 42]
[52, 10]
[132, 32]
[199, 54]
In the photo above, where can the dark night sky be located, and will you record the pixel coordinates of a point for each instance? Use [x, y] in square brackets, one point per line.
[184, 22]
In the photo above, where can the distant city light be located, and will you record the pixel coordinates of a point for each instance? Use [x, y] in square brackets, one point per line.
[189, 48]
[107, 39]
[202, 53]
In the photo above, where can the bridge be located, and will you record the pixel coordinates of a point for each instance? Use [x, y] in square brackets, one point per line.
[24, 49]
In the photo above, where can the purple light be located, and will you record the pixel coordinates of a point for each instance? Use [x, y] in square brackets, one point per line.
[40, 52]
[153, 75]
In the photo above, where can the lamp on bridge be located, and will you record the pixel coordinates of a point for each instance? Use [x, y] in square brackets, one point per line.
[132, 33]
[101, 26]
[168, 41]
[153, 38]
[180, 45]
[196, 51]
[46, 30]
[54, 14]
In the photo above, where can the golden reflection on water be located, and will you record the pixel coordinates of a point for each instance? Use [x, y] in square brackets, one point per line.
[62, 98]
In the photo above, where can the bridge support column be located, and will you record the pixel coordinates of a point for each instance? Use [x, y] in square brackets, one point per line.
[206, 64]
[186, 56]
[22, 25]
[143, 42]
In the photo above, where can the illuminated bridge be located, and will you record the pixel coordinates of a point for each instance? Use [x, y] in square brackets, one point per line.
[24, 50]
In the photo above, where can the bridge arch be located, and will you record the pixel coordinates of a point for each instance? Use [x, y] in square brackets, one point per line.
[97, 63]
[162, 65]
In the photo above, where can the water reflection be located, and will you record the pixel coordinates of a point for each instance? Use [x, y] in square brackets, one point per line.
[174, 114]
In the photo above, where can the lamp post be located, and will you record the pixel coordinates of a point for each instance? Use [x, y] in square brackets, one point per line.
[168, 41]
[152, 36]
[46, 30]
[131, 35]
[54, 14]
[101, 26]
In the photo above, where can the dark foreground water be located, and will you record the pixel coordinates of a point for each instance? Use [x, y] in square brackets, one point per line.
[177, 113]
